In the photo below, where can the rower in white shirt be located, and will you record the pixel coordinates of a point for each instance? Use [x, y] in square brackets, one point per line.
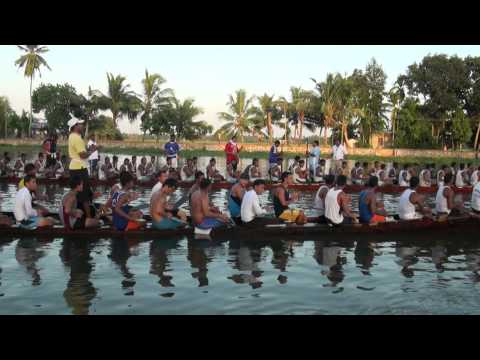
[445, 199]
[411, 204]
[475, 178]
[313, 158]
[476, 199]
[25, 214]
[251, 212]
[319, 172]
[161, 177]
[460, 177]
[425, 176]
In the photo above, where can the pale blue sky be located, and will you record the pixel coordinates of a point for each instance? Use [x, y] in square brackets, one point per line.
[209, 73]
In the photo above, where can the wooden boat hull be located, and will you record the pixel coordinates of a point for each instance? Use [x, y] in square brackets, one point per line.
[389, 189]
[424, 229]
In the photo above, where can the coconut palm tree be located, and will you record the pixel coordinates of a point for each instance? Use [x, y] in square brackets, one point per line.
[31, 61]
[240, 117]
[300, 101]
[328, 91]
[282, 106]
[119, 99]
[267, 113]
[153, 95]
[395, 97]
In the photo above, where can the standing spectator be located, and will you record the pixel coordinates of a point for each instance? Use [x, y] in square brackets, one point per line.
[79, 154]
[93, 159]
[338, 155]
[314, 158]
[232, 150]
[274, 154]
[171, 150]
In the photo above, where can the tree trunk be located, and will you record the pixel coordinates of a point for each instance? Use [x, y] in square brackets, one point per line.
[86, 129]
[31, 113]
[269, 126]
[476, 145]
[301, 118]
[325, 143]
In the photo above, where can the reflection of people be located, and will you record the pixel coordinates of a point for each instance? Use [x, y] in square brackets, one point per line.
[159, 263]
[247, 258]
[439, 256]
[27, 254]
[364, 255]
[407, 257]
[80, 291]
[329, 257]
[281, 255]
[120, 253]
[198, 260]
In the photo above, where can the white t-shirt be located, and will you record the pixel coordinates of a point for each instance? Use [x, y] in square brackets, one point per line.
[251, 206]
[476, 197]
[23, 205]
[94, 155]
[315, 158]
[156, 188]
[339, 152]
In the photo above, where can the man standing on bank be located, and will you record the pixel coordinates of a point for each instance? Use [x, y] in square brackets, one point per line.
[78, 154]
[338, 155]
[171, 150]
[232, 150]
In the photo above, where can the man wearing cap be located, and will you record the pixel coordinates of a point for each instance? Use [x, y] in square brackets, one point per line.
[78, 154]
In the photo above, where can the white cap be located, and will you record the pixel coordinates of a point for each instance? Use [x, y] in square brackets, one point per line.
[74, 121]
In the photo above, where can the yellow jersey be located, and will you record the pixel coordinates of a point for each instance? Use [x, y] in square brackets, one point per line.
[76, 145]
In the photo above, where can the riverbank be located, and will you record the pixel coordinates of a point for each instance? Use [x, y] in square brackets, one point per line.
[190, 149]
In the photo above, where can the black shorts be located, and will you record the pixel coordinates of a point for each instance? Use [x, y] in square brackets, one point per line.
[174, 212]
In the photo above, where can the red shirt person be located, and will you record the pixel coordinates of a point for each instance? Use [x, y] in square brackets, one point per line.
[232, 150]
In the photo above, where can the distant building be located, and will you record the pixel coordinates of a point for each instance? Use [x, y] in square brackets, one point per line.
[380, 140]
[39, 127]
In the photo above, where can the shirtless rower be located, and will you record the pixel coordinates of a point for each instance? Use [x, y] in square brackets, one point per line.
[275, 170]
[235, 197]
[163, 217]
[71, 216]
[232, 174]
[412, 205]
[445, 199]
[371, 211]
[125, 217]
[300, 174]
[106, 170]
[212, 172]
[188, 172]
[161, 176]
[338, 204]
[319, 201]
[203, 216]
[25, 214]
[282, 200]
[254, 171]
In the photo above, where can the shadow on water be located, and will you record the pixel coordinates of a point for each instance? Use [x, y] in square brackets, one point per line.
[159, 262]
[27, 253]
[80, 291]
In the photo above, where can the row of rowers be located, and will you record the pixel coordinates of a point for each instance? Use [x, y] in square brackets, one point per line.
[331, 204]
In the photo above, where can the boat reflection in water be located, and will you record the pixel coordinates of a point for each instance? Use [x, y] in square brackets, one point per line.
[120, 252]
[159, 262]
[199, 260]
[246, 259]
[407, 256]
[331, 259]
[80, 291]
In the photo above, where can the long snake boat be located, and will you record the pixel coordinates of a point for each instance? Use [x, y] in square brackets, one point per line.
[389, 189]
[423, 229]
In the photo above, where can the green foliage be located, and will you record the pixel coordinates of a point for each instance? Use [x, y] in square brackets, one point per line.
[414, 130]
[58, 102]
[106, 129]
[461, 129]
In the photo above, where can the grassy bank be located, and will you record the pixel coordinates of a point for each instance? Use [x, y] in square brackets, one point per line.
[15, 150]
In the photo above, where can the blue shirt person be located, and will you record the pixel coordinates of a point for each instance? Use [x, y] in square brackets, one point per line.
[171, 150]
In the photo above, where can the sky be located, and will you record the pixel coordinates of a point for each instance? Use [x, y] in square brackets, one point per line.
[210, 73]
